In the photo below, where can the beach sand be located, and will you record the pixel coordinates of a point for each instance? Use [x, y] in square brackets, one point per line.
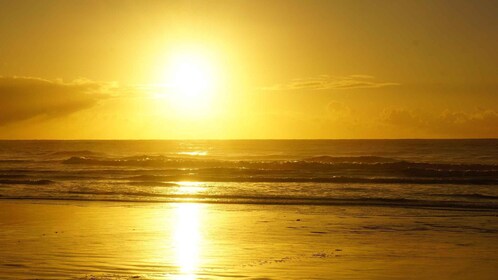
[111, 240]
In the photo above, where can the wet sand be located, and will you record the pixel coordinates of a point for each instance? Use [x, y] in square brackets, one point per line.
[106, 240]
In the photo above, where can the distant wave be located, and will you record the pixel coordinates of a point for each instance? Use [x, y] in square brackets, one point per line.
[324, 162]
[335, 179]
[361, 169]
[450, 174]
[323, 169]
[152, 184]
[267, 200]
[83, 153]
[471, 195]
[357, 159]
[12, 176]
[14, 160]
[26, 182]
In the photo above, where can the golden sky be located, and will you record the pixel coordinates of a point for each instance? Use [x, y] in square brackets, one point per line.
[248, 69]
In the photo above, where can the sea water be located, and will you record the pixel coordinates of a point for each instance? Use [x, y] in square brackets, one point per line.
[245, 209]
[408, 173]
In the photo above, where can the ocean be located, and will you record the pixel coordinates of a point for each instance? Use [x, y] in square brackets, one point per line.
[249, 209]
[408, 173]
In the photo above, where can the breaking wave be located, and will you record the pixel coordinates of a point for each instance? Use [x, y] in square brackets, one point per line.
[361, 169]
[376, 173]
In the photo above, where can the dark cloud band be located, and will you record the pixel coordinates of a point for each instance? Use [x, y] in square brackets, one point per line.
[22, 98]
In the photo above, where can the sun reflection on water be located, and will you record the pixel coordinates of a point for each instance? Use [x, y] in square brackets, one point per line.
[190, 187]
[194, 153]
[187, 239]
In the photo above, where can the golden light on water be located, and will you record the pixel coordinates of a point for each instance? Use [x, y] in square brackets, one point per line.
[194, 153]
[187, 239]
[189, 187]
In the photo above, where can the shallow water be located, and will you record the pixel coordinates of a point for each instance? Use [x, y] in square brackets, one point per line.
[109, 240]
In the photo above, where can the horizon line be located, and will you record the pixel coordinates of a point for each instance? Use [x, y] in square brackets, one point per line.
[239, 139]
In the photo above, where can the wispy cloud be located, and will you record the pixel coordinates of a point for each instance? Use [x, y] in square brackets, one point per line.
[332, 82]
[23, 98]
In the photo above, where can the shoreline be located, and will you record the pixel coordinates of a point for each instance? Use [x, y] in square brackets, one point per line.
[336, 203]
[102, 240]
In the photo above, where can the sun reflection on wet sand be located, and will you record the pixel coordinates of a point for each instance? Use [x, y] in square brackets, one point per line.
[207, 241]
[187, 239]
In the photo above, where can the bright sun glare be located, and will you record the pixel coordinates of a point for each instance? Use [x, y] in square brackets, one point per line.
[191, 75]
[193, 80]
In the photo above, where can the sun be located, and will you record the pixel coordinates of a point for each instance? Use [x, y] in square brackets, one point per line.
[191, 75]
[192, 80]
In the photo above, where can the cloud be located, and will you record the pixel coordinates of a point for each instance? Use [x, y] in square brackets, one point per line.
[23, 98]
[401, 117]
[332, 82]
[480, 122]
[338, 110]
[448, 123]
